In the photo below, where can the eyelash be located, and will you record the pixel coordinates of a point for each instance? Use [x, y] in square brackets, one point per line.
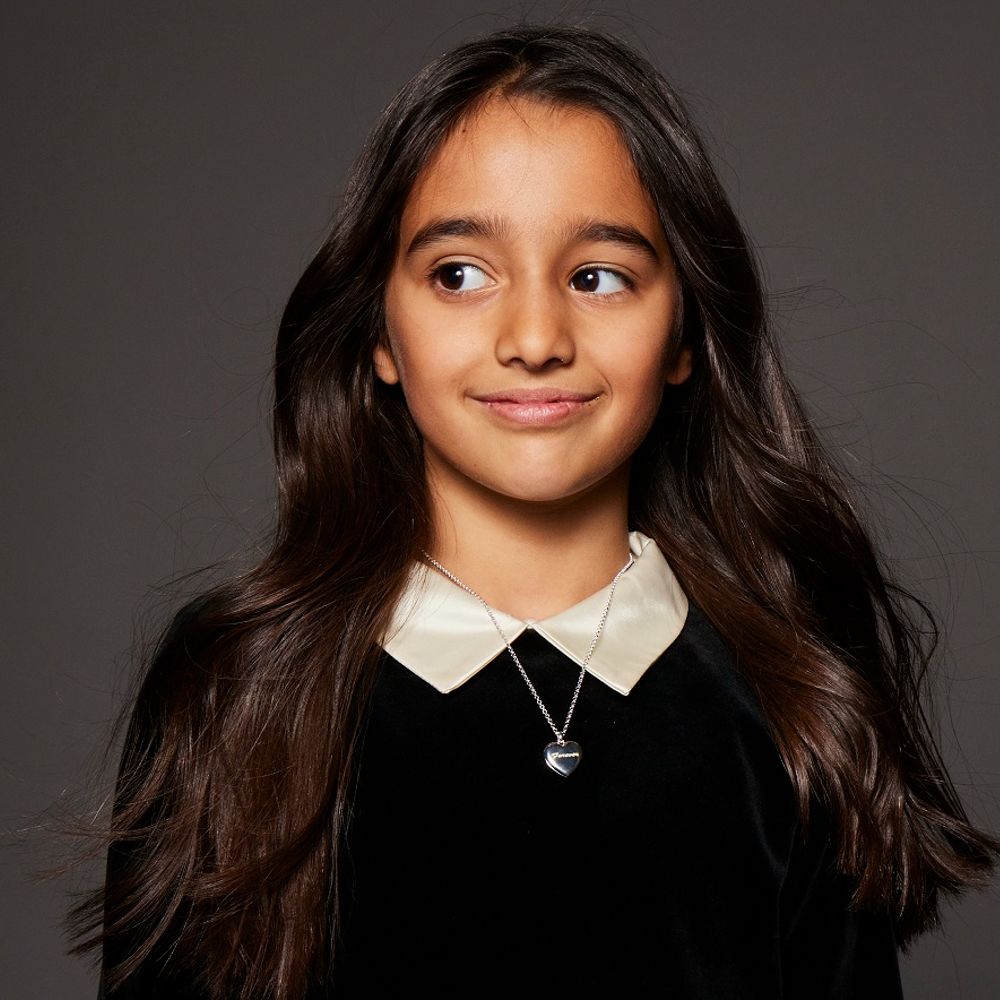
[609, 296]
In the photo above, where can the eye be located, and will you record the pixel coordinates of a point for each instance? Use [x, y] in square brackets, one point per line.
[458, 276]
[602, 281]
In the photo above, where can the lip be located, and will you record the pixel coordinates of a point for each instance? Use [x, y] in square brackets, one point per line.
[536, 406]
[538, 394]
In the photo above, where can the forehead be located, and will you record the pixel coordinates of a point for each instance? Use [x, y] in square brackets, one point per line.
[535, 164]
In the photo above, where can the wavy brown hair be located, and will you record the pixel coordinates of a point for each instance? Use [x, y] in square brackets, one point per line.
[235, 785]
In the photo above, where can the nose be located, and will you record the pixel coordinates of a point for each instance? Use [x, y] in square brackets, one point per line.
[535, 328]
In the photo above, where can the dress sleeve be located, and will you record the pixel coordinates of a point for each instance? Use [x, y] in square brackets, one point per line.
[156, 978]
[831, 951]
[159, 976]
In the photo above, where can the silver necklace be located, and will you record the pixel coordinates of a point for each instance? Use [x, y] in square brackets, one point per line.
[562, 755]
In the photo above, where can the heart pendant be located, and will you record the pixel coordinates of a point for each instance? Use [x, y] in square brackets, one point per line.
[563, 759]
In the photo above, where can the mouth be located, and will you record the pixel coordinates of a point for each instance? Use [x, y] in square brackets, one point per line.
[540, 394]
[536, 406]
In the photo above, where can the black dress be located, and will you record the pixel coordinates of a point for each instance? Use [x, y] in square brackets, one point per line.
[666, 865]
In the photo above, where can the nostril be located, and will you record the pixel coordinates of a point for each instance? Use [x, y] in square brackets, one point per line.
[548, 363]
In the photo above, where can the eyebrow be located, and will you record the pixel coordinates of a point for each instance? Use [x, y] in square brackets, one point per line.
[494, 228]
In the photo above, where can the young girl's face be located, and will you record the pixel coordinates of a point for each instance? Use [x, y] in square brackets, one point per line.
[531, 261]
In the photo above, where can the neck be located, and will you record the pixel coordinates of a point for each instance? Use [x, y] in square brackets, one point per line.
[532, 559]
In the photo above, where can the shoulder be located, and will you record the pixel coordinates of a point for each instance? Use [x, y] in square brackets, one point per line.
[830, 946]
[702, 672]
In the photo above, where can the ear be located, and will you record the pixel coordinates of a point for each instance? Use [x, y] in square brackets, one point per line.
[385, 365]
[679, 371]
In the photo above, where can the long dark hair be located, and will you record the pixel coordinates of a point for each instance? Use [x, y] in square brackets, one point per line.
[234, 793]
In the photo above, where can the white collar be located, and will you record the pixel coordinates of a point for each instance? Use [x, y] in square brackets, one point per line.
[443, 634]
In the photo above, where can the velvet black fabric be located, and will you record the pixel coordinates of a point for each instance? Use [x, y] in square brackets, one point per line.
[668, 864]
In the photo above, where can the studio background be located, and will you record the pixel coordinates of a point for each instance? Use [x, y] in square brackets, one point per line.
[168, 171]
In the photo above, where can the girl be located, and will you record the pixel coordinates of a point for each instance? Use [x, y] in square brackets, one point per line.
[570, 666]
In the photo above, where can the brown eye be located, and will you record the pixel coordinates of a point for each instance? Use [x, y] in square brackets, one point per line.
[455, 276]
[600, 280]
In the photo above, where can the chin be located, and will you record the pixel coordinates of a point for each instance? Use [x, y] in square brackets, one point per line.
[542, 491]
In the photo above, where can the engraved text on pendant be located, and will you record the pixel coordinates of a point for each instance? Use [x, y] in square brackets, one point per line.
[563, 759]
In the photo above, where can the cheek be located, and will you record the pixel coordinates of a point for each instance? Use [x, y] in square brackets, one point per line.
[435, 356]
[639, 378]
[433, 375]
[641, 412]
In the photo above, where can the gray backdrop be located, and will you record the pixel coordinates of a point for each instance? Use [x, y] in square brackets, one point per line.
[170, 168]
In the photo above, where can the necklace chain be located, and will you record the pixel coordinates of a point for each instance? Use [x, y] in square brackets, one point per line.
[560, 734]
